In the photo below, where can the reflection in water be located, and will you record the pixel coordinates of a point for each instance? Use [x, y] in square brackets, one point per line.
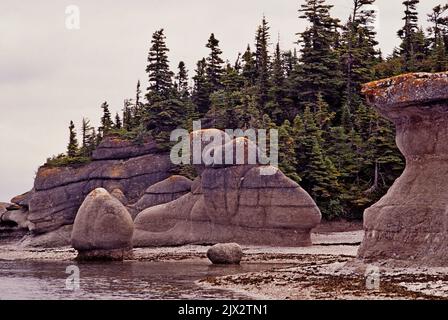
[116, 280]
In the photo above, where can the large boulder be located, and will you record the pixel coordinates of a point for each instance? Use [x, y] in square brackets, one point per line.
[162, 192]
[409, 222]
[225, 253]
[103, 228]
[233, 203]
[117, 164]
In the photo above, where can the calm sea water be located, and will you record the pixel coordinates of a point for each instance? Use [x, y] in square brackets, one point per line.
[116, 280]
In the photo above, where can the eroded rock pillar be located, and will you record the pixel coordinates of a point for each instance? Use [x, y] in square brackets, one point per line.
[411, 221]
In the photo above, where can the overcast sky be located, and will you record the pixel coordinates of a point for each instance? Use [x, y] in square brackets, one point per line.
[50, 75]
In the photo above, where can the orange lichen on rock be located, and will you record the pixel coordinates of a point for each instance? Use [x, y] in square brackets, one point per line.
[407, 89]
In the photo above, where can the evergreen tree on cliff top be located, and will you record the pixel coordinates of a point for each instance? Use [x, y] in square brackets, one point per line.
[439, 33]
[106, 119]
[411, 49]
[262, 63]
[160, 76]
[201, 88]
[182, 81]
[319, 59]
[358, 51]
[73, 147]
[214, 68]
[164, 112]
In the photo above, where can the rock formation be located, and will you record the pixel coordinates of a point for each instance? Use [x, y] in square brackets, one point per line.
[410, 221]
[103, 228]
[14, 222]
[59, 191]
[225, 253]
[162, 192]
[232, 203]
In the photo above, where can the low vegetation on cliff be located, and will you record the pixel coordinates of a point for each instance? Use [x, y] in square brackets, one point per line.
[339, 149]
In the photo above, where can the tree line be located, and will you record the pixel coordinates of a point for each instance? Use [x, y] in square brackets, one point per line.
[339, 149]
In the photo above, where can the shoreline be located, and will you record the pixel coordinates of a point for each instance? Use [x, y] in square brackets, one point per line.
[328, 270]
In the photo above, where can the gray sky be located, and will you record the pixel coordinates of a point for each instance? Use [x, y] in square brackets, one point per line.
[50, 75]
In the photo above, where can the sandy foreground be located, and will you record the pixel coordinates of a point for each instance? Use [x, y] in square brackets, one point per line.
[327, 270]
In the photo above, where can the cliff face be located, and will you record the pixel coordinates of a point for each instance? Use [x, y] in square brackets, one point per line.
[59, 191]
[410, 221]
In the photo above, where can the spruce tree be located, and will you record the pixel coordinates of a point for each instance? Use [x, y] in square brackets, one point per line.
[73, 147]
[160, 76]
[438, 31]
[106, 120]
[163, 118]
[319, 59]
[262, 63]
[249, 71]
[201, 89]
[182, 82]
[214, 69]
[287, 151]
[137, 110]
[277, 105]
[118, 124]
[86, 131]
[358, 51]
[411, 50]
[88, 138]
[128, 118]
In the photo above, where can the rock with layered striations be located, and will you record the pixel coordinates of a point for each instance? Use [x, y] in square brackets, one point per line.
[23, 200]
[162, 192]
[103, 228]
[225, 253]
[53, 239]
[409, 222]
[231, 203]
[59, 191]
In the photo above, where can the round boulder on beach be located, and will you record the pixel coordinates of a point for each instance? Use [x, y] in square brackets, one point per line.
[103, 228]
[225, 253]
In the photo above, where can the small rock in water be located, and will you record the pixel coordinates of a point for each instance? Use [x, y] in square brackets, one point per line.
[225, 253]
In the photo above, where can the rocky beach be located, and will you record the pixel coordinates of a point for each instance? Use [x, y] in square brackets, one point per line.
[327, 270]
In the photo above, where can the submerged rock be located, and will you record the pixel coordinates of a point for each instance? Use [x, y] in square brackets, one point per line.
[225, 253]
[409, 222]
[103, 228]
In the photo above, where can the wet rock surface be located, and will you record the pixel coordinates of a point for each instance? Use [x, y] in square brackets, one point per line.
[225, 253]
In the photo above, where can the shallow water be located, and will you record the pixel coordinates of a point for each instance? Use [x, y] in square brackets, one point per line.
[116, 280]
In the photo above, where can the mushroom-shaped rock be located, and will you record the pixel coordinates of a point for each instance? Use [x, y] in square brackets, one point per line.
[103, 228]
[164, 191]
[409, 222]
[225, 253]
